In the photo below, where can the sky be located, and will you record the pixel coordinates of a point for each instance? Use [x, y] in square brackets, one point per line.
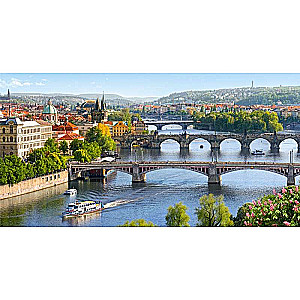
[137, 84]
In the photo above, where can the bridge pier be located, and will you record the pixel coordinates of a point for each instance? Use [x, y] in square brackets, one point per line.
[213, 177]
[291, 177]
[274, 147]
[184, 145]
[137, 176]
[159, 126]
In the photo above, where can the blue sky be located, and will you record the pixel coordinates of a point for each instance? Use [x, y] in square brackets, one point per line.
[130, 84]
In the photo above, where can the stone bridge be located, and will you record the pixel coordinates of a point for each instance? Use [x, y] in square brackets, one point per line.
[215, 140]
[159, 124]
[213, 170]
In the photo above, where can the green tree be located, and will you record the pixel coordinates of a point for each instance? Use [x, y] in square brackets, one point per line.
[138, 223]
[76, 145]
[51, 145]
[177, 216]
[3, 172]
[63, 147]
[30, 172]
[213, 212]
[241, 214]
[82, 155]
[16, 168]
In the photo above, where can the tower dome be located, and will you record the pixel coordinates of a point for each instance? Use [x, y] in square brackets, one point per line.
[50, 112]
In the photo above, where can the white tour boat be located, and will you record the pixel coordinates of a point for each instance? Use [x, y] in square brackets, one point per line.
[71, 192]
[80, 208]
[258, 152]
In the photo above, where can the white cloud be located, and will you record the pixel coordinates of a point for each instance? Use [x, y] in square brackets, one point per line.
[15, 82]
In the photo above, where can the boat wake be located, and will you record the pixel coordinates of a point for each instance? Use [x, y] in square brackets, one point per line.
[120, 202]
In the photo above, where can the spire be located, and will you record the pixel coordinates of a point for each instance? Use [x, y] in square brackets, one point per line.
[97, 106]
[8, 94]
[103, 103]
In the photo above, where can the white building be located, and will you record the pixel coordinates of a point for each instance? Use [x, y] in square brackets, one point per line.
[20, 137]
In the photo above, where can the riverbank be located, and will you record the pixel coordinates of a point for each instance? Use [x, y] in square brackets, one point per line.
[33, 185]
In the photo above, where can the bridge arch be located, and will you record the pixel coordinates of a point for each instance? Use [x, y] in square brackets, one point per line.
[259, 142]
[294, 145]
[282, 173]
[194, 143]
[168, 140]
[227, 140]
[202, 171]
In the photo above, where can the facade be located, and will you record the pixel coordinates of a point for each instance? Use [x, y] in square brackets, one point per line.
[84, 127]
[138, 128]
[20, 137]
[119, 129]
[50, 113]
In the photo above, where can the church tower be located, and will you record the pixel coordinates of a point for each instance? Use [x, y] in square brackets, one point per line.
[99, 113]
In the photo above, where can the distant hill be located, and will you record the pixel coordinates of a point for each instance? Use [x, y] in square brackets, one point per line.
[242, 96]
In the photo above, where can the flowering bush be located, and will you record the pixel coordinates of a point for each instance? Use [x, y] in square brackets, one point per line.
[279, 209]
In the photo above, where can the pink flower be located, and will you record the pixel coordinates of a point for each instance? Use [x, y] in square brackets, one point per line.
[254, 202]
[291, 201]
[247, 214]
[286, 223]
[283, 190]
[250, 207]
[259, 202]
[296, 201]
[272, 207]
[297, 189]
[295, 208]
[252, 215]
[245, 223]
[291, 191]
[274, 192]
[270, 201]
[279, 196]
[265, 203]
[274, 225]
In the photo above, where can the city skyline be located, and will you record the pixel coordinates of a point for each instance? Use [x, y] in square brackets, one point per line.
[138, 84]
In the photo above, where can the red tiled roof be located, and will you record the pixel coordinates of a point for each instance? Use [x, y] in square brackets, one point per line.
[71, 136]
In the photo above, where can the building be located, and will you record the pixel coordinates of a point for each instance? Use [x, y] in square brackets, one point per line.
[119, 129]
[62, 129]
[99, 113]
[50, 113]
[138, 128]
[69, 137]
[20, 137]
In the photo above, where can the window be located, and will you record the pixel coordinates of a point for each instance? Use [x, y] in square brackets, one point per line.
[11, 139]
[3, 139]
[11, 129]
[3, 130]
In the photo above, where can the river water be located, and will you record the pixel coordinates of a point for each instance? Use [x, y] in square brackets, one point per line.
[163, 188]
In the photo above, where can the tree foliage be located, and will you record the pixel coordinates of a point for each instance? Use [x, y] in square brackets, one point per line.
[177, 216]
[40, 162]
[240, 121]
[279, 209]
[138, 223]
[63, 147]
[213, 212]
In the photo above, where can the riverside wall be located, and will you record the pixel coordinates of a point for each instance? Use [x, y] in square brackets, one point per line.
[33, 185]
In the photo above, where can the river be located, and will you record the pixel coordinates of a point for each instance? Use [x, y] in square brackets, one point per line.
[163, 188]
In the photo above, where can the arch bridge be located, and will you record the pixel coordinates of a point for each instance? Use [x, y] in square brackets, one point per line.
[154, 141]
[159, 124]
[213, 170]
